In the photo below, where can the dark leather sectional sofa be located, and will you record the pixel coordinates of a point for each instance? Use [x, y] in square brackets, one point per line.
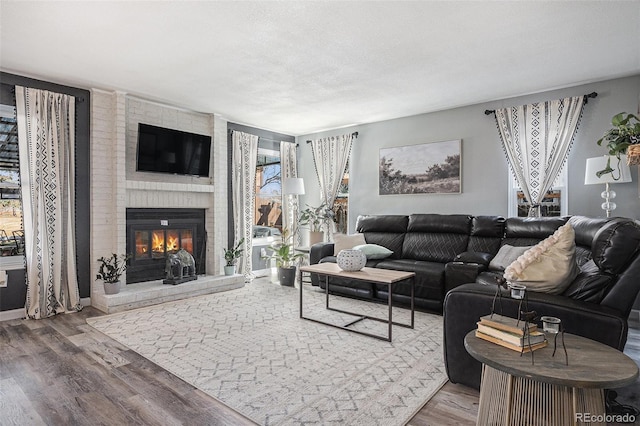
[450, 255]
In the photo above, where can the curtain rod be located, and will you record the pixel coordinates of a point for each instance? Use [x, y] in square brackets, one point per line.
[80, 99]
[354, 134]
[586, 100]
[260, 137]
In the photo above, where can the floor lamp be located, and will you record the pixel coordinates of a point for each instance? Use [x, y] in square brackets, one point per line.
[617, 171]
[292, 187]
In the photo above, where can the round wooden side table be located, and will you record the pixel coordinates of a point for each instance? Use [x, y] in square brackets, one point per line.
[514, 391]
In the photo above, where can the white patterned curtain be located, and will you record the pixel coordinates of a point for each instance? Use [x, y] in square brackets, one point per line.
[537, 138]
[46, 143]
[330, 157]
[288, 169]
[243, 183]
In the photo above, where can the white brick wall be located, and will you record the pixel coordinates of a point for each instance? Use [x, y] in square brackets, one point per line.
[104, 192]
[115, 184]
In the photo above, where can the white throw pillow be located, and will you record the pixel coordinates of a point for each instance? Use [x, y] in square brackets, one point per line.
[346, 242]
[548, 267]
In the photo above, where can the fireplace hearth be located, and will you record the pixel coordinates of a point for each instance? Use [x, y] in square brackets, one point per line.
[154, 234]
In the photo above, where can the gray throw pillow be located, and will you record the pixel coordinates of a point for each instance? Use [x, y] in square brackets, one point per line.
[505, 256]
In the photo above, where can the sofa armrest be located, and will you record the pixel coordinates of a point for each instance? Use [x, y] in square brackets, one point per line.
[319, 251]
[478, 257]
[464, 305]
[458, 273]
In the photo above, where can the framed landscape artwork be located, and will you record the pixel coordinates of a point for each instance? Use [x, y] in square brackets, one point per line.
[428, 168]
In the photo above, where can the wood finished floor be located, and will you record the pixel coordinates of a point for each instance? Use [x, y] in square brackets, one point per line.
[60, 371]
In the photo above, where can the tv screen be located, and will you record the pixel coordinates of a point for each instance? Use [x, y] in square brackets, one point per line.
[163, 150]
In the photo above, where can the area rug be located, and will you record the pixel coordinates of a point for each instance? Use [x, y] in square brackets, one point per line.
[249, 349]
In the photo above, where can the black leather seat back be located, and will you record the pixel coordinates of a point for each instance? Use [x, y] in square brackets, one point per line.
[385, 230]
[529, 231]
[486, 234]
[436, 238]
[585, 229]
[615, 245]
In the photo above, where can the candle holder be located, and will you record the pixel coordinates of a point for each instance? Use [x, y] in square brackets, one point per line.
[553, 325]
[501, 283]
[527, 317]
[518, 291]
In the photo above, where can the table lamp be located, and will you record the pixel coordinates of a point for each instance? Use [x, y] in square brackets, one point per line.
[619, 173]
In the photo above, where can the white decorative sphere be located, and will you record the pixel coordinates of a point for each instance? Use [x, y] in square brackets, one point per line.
[351, 260]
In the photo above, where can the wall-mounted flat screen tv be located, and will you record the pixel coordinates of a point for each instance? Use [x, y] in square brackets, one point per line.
[172, 151]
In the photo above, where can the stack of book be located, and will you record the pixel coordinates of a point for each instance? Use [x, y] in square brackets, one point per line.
[510, 333]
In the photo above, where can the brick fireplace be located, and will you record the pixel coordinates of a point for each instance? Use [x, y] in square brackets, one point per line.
[118, 189]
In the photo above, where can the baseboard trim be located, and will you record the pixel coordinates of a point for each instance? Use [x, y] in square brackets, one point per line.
[21, 314]
[12, 314]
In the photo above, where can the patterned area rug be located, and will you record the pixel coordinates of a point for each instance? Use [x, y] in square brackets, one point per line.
[249, 349]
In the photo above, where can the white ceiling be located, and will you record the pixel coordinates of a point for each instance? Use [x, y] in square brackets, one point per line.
[302, 67]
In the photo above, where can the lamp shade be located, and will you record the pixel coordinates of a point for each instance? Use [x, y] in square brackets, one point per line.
[293, 186]
[620, 174]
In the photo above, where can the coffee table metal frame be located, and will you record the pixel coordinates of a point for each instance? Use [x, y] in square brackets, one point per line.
[392, 277]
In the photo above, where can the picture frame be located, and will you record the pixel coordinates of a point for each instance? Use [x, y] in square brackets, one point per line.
[427, 168]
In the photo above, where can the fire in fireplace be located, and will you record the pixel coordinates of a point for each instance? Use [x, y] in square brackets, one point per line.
[158, 243]
[153, 234]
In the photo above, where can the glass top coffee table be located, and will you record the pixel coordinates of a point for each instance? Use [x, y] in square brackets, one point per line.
[386, 277]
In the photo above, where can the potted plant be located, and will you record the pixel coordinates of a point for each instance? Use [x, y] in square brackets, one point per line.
[286, 258]
[231, 256]
[315, 218]
[622, 138]
[110, 271]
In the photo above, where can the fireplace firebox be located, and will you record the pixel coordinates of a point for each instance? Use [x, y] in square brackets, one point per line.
[153, 234]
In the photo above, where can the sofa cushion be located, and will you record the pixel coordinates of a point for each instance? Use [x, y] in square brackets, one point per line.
[586, 229]
[384, 230]
[590, 285]
[433, 247]
[548, 267]
[382, 223]
[532, 227]
[435, 237]
[505, 257]
[429, 278]
[488, 226]
[489, 278]
[440, 223]
[486, 234]
[346, 242]
[615, 245]
[374, 251]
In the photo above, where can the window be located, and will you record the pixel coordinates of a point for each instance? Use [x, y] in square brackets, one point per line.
[267, 223]
[268, 205]
[554, 204]
[11, 234]
[341, 204]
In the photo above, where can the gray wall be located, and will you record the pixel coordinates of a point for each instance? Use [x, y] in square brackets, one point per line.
[484, 168]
